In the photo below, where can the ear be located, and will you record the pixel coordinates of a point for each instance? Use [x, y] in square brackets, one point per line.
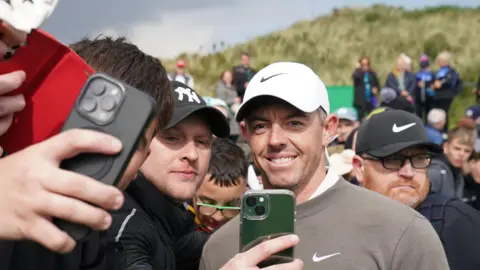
[356, 124]
[358, 169]
[330, 128]
[445, 147]
[243, 129]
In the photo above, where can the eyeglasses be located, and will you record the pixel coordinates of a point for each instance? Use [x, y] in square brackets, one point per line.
[210, 209]
[396, 162]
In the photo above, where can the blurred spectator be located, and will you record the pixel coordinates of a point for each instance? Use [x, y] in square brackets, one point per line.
[473, 112]
[401, 80]
[227, 92]
[447, 83]
[348, 121]
[219, 105]
[436, 120]
[423, 89]
[218, 198]
[408, 62]
[180, 75]
[242, 74]
[391, 99]
[446, 170]
[365, 84]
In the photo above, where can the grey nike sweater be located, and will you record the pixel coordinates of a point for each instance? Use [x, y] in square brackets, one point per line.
[348, 227]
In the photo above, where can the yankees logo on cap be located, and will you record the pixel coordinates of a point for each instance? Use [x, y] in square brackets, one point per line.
[188, 102]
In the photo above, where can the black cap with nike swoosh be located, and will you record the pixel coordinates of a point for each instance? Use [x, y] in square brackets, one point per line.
[392, 131]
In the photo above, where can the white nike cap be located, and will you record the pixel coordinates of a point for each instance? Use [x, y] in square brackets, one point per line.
[291, 82]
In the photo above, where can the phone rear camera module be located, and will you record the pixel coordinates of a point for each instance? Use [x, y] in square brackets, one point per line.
[98, 89]
[251, 201]
[108, 103]
[260, 210]
[89, 104]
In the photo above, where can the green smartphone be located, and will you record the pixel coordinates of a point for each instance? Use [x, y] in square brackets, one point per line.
[266, 214]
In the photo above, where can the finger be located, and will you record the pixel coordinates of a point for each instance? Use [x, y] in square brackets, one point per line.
[75, 141]
[11, 36]
[11, 81]
[11, 104]
[45, 233]
[76, 211]
[84, 188]
[266, 249]
[5, 123]
[3, 48]
[295, 265]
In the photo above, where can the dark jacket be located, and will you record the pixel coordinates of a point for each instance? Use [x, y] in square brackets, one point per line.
[471, 194]
[27, 255]
[152, 231]
[359, 85]
[446, 179]
[451, 83]
[241, 75]
[400, 103]
[458, 226]
[410, 82]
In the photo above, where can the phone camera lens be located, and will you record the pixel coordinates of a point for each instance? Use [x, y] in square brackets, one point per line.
[89, 104]
[108, 103]
[251, 201]
[260, 210]
[98, 88]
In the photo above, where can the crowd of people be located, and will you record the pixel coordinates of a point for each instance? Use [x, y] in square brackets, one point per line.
[376, 186]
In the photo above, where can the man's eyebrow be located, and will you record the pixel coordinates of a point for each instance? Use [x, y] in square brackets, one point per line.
[296, 114]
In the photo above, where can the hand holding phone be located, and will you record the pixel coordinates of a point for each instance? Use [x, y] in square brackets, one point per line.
[265, 215]
[109, 106]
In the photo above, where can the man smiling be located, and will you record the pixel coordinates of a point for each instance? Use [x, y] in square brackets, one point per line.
[341, 226]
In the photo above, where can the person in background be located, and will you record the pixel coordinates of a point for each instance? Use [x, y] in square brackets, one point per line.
[392, 100]
[445, 173]
[402, 80]
[423, 90]
[180, 74]
[436, 120]
[226, 91]
[365, 85]
[218, 198]
[472, 181]
[394, 163]
[347, 122]
[473, 112]
[218, 104]
[447, 83]
[242, 74]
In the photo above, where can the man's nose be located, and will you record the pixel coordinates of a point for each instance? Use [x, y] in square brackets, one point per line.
[190, 151]
[277, 136]
[407, 170]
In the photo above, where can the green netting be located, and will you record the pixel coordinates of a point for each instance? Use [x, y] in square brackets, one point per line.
[340, 96]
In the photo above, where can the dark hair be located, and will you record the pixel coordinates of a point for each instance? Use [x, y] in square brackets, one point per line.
[126, 62]
[227, 163]
[244, 54]
[349, 141]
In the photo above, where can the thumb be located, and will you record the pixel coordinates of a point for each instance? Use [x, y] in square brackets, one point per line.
[75, 141]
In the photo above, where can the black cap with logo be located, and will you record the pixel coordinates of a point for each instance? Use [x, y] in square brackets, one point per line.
[392, 131]
[188, 102]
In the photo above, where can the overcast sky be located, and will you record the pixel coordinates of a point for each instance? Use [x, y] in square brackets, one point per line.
[167, 28]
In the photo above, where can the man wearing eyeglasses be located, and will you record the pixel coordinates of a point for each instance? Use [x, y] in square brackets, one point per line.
[218, 199]
[393, 154]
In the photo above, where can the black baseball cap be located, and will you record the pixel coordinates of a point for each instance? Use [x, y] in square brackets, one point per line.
[392, 131]
[188, 102]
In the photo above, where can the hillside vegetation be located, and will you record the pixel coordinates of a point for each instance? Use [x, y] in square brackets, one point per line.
[332, 44]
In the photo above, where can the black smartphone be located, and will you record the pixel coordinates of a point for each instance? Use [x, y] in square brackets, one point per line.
[267, 214]
[110, 106]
